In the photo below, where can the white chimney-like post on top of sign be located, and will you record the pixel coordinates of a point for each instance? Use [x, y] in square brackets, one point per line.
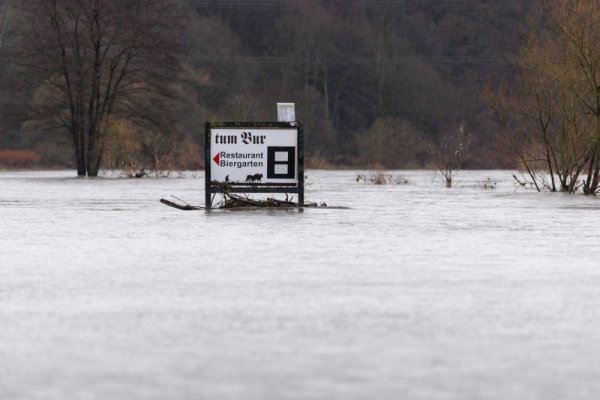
[286, 112]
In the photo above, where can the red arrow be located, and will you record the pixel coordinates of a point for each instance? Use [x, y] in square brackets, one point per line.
[217, 159]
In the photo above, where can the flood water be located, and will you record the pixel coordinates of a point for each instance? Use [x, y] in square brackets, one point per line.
[416, 292]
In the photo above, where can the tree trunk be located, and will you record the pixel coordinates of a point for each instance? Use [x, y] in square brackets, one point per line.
[79, 146]
[93, 154]
[81, 170]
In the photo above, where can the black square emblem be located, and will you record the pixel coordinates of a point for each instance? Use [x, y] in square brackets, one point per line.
[281, 162]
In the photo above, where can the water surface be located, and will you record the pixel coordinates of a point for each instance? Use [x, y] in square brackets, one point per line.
[417, 292]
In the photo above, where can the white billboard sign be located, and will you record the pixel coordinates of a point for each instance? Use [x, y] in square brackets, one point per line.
[251, 155]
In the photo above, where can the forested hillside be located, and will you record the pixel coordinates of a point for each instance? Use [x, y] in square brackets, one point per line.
[374, 81]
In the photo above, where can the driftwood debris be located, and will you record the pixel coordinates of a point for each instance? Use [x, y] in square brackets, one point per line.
[233, 201]
[186, 207]
[237, 202]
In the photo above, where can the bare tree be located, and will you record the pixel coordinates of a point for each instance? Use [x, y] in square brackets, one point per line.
[448, 152]
[99, 59]
[392, 143]
[576, 28]
[551, 117]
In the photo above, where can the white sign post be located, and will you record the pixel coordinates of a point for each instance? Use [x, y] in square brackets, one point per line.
[286, 112]
[254, 158]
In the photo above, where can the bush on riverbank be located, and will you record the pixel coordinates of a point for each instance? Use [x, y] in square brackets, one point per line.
[18, 159]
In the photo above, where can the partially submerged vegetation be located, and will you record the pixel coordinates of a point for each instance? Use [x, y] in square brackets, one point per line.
[551, 116]
[381, 177]
[449, 151]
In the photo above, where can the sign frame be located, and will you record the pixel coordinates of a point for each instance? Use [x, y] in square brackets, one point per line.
[210, 187]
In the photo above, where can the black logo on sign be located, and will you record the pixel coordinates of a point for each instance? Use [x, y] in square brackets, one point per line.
[281, 162]
[256, 178]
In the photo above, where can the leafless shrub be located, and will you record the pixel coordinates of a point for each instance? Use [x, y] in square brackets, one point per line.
[488, 183]
[137, 153]
[379, 177]
[524, 183]
[317, 160]
[448, 152]
[400, 180]
[392, 143]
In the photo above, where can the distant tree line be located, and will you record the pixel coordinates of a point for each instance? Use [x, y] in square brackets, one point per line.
[128, 84]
